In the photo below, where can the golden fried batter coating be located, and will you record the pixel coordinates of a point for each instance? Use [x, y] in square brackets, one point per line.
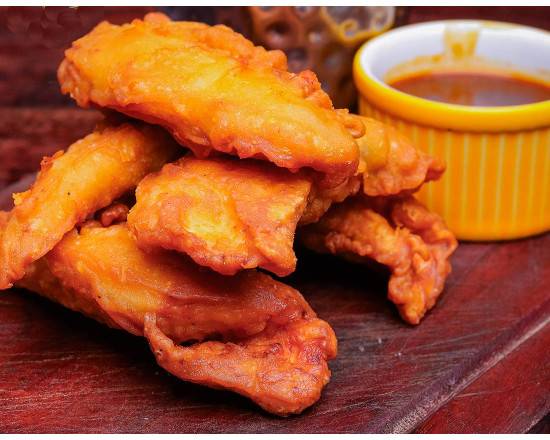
[282, 369]
[224, 213]
[115, 213]
[40, 279]
[4, 216]
[248, 324]
[231, 215]
[73, 185]
[320, 199]
[393, 164]
[399, 233]
[105, 264]
[213, 90]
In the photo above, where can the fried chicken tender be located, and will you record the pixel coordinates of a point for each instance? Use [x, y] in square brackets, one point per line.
[256, 336]
[4, 215]
[213, 90]
[282, 369]
[393, 164]
[224, 213]
[399, 233]
[73, 185]
[231, 215]
[40, 279]
[320, 199]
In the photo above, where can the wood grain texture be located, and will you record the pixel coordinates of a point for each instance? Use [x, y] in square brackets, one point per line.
[61, 372]
[517, 388]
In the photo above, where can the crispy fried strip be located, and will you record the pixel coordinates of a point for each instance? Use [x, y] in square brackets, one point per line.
[213, 90]
[231, 215]
[393, 164]
[70, 186]
[40, 279]
[283, 370]
[224, 213]
[257, 337]
[399, 233]
[106, 264]
[320, 199]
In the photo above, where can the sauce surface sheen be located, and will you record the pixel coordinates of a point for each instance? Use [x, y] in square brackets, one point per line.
[473, 89]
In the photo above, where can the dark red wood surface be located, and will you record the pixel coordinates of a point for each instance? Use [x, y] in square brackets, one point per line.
[478, 362]
[516, 398]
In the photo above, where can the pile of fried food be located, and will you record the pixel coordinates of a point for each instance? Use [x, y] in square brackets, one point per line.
[248, 157]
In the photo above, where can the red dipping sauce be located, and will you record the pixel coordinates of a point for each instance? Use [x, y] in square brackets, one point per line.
[474, 89]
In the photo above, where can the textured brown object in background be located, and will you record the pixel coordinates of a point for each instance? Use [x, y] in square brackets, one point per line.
[305, 35]
[237, 18]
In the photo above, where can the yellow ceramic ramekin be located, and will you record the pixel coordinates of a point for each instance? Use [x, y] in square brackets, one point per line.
[497, 183]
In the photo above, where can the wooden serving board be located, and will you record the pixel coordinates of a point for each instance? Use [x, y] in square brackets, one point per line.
[479, 362]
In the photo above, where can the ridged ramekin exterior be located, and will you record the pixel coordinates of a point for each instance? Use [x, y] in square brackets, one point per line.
[496, 186]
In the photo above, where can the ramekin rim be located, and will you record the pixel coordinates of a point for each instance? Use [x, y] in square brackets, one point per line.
[445, 115]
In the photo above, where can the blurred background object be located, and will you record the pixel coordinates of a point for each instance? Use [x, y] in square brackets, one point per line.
[32, 41]
[323, 39]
